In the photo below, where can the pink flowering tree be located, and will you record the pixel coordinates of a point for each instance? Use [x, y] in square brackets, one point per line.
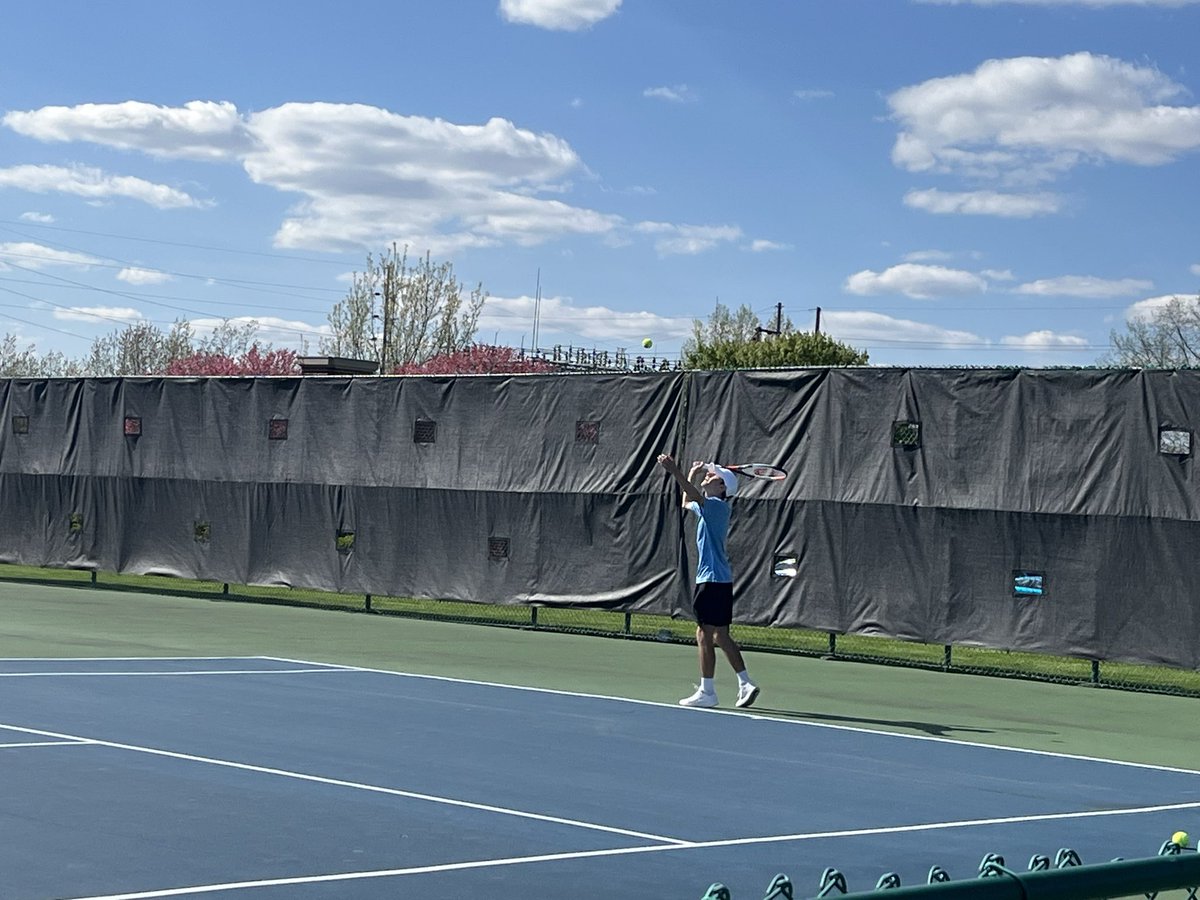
[478, 359]
[253, 362]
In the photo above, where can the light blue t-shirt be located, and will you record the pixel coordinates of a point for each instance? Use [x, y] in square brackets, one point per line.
[711, 531]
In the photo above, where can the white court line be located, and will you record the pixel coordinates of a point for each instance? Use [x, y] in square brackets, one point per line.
[43, 744]
[760, 717]
[630, 851]
[337, 782]
[134, 674]
[335, 667]
[4, 659]
[667, 844]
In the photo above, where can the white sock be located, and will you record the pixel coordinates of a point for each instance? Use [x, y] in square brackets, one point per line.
[706, 685]
[743, 676]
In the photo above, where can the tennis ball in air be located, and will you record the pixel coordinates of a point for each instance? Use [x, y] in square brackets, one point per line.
[1180, 838]
[647, 343]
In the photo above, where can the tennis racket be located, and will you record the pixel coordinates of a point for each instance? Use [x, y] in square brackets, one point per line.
[759, 470]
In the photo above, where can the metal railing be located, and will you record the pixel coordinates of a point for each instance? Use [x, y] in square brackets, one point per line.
[1066, 878]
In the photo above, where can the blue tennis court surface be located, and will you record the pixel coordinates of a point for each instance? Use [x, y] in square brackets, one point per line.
[268, 778]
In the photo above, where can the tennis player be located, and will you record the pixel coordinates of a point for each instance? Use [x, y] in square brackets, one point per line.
[707, 490]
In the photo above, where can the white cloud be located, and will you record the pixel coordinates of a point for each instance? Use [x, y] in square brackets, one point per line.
[558, 317]
[1085, 286]
[688, 240]
[679, 93]
[852, 326]
[37, 256]
[39, 218]
[998, 275]
[558, 15]
[134, 275]
[1044, 340]
[1195, 269]
[1030, 119]
[98, 314]
[928, 256]
[94, 184]
[812, 94]
[198, 130]
[761, 245]
[984, 203]
[918, 281]
[364, 176]
[1144, 309]
[370, 176]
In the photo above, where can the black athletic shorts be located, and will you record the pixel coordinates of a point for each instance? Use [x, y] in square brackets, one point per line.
[713, 602]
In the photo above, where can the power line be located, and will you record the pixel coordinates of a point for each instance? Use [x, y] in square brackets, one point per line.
[123, 294]
[138, 296]
[931, 309]
[632, 318]
[115, 263]
[43, 327]
[1015, 348]
[126, 237]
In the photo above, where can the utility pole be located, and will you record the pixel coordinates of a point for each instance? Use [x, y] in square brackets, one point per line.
[817, 330]
[374, 339]
[387, 330]
[537, 311]
[382, 355]
[778, 329]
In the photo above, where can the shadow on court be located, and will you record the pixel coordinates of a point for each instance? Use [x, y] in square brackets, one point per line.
[935, 729]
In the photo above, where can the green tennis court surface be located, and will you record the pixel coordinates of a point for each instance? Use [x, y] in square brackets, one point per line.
[41, 620]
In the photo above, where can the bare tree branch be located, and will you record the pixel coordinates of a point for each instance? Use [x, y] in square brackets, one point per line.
[1167, 338]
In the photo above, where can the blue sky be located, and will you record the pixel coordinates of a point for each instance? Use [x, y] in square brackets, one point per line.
[952, 182]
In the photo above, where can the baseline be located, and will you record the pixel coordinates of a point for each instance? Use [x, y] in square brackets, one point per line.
[857, 729]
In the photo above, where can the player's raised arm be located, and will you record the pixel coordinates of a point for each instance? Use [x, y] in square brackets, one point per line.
[691, 493]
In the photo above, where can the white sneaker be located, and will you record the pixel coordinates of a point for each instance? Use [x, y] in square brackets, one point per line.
[747, 694]
[701, 699]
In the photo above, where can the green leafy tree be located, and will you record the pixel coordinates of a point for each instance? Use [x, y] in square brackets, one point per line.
[352, 320]
[1167, 338]
[143, 348]
[25, 362]
[741, 341]
[230, 338]
[724, 326]
[402, 314]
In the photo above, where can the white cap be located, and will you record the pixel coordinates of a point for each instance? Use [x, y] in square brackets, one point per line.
[731, 482]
